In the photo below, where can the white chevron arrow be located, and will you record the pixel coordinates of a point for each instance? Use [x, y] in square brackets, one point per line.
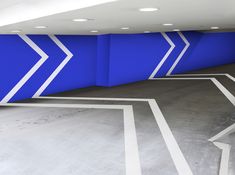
[30, 73]
[187, 44]
[58, 69]
[165, 56]
[224, 162]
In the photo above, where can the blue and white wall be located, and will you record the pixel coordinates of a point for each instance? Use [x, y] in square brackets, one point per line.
[36, 65]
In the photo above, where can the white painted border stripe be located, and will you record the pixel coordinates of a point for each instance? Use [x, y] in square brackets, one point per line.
[165, 56]
[180, 55]
[176, 154]
[58, 69]
[30, 73]
[224, 162]
[211, 74]
[133, 166]
[223, 133]
[229, 96]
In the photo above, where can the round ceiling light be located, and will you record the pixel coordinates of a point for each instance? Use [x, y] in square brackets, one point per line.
[40, 27]
[81, 20]
[213, 28]
[125, 28]
[168, 24]
[149, 9]
[94, 31]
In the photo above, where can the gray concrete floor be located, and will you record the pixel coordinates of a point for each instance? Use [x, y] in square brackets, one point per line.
[53, 141]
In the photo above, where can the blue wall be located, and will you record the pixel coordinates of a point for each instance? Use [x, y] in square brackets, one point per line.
[106, 60]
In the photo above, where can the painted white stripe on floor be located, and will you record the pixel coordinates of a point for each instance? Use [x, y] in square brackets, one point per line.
[171, 143]
[58, 69]
[224, 162]
[174, 149]
[165, 56]
[223, 133]
[211, 74]
[30, 73]
[226, 92]
[180, 55]
[133, 166]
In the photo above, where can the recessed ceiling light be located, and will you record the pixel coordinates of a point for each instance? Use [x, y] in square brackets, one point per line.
[81, 20]
[176, 30]
[94, 31]
[16, 31]
[40, 27]
[149, 9]
[147, 32]
[168, 24]
[214, 27]
[125, 28]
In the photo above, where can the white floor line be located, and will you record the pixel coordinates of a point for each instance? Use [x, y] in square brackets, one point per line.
[171, 143]
[165, 56]
[224, 170]
[133, 166]
[226, 92]
[223, 133]
[211, 74]
[30, 73]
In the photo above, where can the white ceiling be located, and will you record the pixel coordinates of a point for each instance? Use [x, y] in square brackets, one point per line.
[110, 15]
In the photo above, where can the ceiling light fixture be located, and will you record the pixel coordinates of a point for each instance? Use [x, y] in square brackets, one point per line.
[16, 31]
[40, 27]
[81, 20]
[168, 24]
[149, 9]
[213, 28]
[125, 28]
[176, 30]
[94, 31]
[147, 32]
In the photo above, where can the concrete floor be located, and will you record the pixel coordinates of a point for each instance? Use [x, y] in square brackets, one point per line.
[58, 141]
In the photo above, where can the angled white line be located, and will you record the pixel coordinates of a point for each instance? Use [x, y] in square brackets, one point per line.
[133, 166]
[224, 162]
[180, 55]
[30, 73]
[165, 56]
[223, 133]
[226, 92]
[211, 74]
[58, 69]
[176, 154]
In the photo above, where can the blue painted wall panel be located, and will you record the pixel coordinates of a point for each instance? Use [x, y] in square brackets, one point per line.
[213, 49]
[107, 60]
[134, 57]
[16, 59]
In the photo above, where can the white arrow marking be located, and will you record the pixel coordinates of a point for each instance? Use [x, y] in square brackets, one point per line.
[133, 166]
[216, 74]
[176, 154]
[29, 74]
[224, 162]
[165, 56]
[180, 55]
[226, 92]
[224, 147]
[58, 69]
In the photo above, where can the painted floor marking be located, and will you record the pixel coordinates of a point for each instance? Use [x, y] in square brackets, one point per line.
[211, 74]
[176, 154]
[133, 166]
[226, 92]
[225, 147]
[224, 162]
